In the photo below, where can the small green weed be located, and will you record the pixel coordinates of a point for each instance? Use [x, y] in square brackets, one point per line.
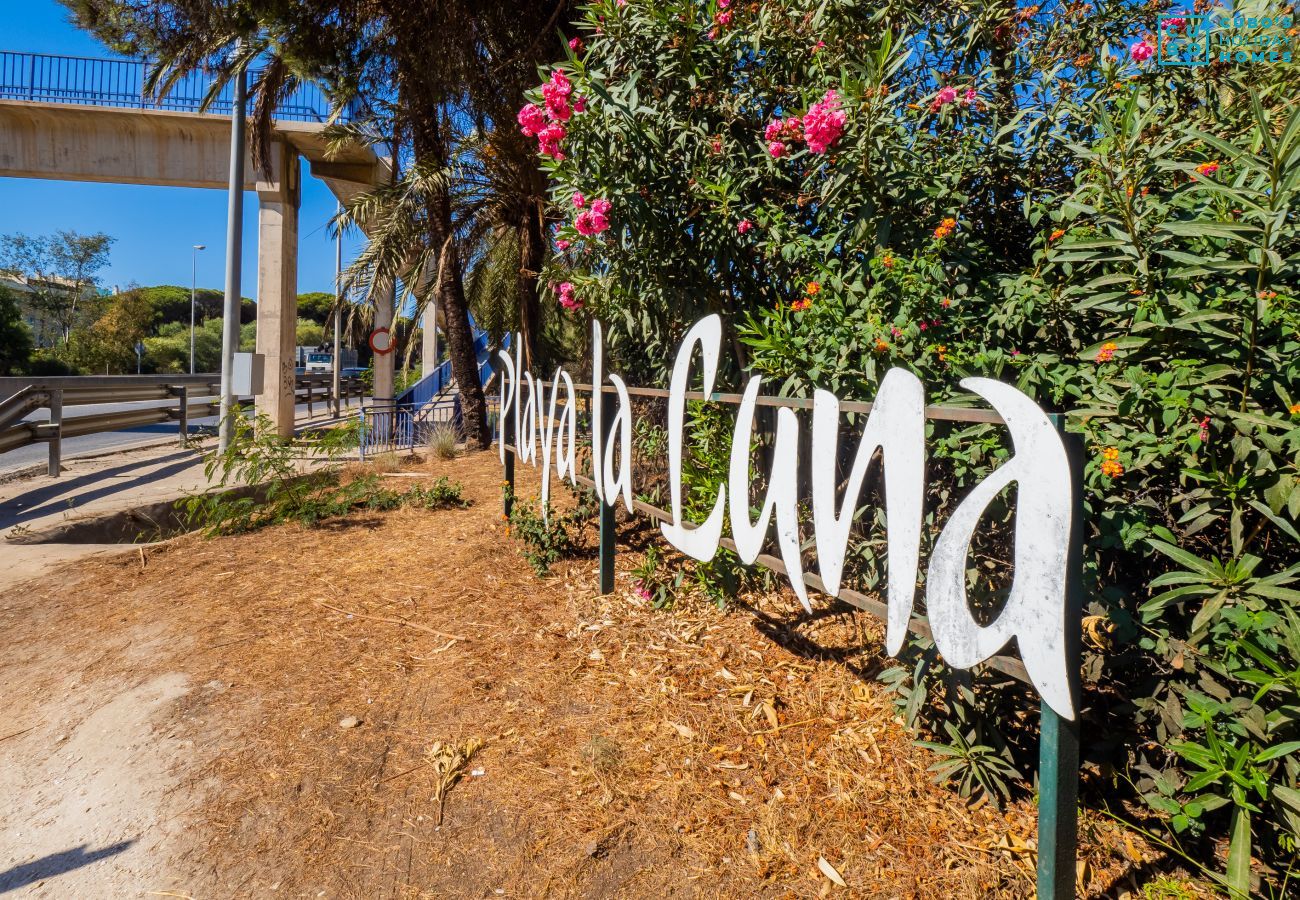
[550, 538]
[650, 583]
[257, 456]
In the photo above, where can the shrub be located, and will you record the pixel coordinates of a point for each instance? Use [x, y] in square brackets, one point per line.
[258, 457]
[1011, 193]
[548, 539]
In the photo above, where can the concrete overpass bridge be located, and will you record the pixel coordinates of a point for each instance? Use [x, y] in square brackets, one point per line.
[80, 119]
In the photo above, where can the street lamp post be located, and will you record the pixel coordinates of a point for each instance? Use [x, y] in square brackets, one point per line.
[234, 259]
[336, 382]
[194, 262]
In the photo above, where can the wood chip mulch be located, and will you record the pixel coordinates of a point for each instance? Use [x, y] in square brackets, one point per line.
[626, 751]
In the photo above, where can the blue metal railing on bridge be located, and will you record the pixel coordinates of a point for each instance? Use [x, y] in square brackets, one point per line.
[431, 386]
[119, 83]
[408, 421]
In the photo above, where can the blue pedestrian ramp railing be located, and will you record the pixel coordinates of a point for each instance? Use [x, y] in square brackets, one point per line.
[388, 428]
[436, 385]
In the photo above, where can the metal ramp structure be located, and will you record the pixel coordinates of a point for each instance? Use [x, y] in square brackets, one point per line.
[432, 401]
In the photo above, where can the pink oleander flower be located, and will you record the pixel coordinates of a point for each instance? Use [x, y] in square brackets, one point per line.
[580, 104]
[945, 96]
[559, 84]
[1142, 50]
[723, 4]
[723, 18]
[788, 129]
[715, 146]
[824, 123]
[567, 299]
[593, 221]
[559, 110]
[575, 44]
[744, 226]
[556, 94]
[562, 245]
[531, 120]
[1175, 23]
[819, 47]
[579, 201]
[776, 149]
[970, 98]
[548, 141]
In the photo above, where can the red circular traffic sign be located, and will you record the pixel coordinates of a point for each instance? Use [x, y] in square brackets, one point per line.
[381, 341]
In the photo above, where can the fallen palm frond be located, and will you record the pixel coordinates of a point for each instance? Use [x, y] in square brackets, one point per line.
[449, 764]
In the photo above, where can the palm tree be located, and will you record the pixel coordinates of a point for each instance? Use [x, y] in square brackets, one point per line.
[422, 69]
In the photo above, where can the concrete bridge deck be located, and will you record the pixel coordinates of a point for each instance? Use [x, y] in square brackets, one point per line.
[68, 119]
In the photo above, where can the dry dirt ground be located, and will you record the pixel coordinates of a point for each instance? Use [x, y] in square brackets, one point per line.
[173, 728]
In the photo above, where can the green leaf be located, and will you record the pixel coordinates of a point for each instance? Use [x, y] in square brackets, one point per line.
[1231, 231]
[1208, 611]
[1275, 593]
[1239, 855]
[1278, 751]
[1179, 555]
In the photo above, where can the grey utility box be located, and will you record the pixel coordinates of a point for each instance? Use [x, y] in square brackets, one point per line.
[246, 374]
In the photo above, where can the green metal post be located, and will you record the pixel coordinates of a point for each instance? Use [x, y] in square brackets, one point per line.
[508, 436]
[1058, 750]
[607, 535]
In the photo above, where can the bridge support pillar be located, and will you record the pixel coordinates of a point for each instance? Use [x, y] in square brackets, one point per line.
[385, 299]
[277, 286]
[429, 347]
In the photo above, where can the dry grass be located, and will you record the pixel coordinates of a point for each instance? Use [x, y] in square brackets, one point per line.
[386, 462]
[626, 752]
[443, 441]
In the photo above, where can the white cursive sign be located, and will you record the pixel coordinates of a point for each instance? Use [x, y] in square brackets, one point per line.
[894, 434]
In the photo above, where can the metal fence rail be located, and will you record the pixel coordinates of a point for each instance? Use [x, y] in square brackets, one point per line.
[388, 428]
[120, 83]
[195, 396]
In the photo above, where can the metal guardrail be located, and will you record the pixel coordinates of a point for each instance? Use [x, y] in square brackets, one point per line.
[196, 396]
[119, 83]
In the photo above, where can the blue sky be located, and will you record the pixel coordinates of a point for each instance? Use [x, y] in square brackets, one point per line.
[155, 227]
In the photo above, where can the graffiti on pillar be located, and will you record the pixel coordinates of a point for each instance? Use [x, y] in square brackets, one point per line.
[894, 433]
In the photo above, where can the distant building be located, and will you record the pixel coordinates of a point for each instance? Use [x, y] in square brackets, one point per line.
[46, 332]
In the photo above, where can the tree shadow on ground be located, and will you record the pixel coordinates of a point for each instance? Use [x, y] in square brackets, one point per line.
[41, 501]
[56, 864]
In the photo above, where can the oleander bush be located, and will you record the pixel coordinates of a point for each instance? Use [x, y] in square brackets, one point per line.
[1011, 191]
